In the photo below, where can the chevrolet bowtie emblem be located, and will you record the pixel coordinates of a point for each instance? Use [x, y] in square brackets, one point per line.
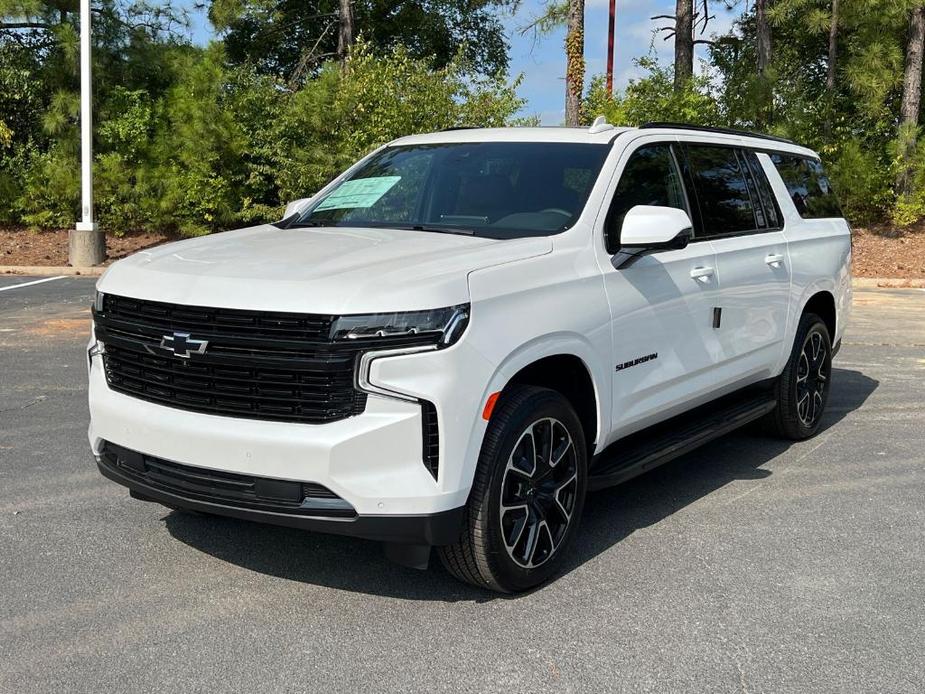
[182, 345]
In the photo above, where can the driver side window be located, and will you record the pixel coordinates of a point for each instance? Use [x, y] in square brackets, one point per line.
[650, 177]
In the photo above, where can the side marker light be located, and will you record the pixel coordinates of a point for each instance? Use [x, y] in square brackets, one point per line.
[490, 405]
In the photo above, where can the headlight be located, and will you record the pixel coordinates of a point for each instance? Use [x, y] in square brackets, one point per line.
[443, 325]
[98, 297]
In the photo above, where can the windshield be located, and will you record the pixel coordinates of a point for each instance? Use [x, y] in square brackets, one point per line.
[500, 190]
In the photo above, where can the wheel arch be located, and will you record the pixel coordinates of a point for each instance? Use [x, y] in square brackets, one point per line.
[822, 303]
[567, 365]
[568, 375]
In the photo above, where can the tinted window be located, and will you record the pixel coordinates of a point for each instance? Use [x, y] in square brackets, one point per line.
[495, 189]
[808, 186]
[649, 178]
[765, 194]
[722, 191]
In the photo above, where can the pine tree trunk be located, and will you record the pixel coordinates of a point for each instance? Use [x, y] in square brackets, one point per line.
[345, 35]
[764, 36]
[912, 97]
[575, 61]
[833, 49]
[683, 43]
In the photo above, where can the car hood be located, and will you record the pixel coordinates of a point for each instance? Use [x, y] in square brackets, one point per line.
[315, 270]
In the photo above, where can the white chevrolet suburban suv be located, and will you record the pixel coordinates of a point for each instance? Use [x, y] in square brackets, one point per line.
[459, 337]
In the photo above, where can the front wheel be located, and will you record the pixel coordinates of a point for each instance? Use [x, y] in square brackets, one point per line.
[527, 496]
[802, 390]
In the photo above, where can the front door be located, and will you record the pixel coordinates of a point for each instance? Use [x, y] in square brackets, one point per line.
[664, 346]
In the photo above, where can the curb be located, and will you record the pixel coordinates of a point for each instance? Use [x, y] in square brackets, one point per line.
[50, 270]
[887, 283]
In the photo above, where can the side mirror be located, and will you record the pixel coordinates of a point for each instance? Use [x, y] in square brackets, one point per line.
[295, 206]
[651, 228]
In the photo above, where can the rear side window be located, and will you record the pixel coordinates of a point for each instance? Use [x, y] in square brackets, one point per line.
[772, 214]
[726, 205]
[808, 186]
[649, 178]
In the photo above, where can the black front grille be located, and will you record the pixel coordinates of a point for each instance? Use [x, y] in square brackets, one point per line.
[296, 392]
[226, 488]
[259, 365]
[235, 323]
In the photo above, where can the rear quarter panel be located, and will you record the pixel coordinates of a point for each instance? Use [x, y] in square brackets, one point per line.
[820, 259]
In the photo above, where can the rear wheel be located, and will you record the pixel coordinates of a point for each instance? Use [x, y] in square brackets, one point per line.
[803, 388]
[527, 496]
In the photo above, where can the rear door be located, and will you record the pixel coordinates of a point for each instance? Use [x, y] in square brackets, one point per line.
[664, 347]
[736, 210]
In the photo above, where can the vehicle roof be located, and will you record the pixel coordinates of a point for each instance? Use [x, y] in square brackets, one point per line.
[516, 134]
[599, 136]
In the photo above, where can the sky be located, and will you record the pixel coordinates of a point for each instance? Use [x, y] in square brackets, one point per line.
[542, 61]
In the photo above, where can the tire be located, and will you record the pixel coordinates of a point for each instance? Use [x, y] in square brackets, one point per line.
[802, 390]
[522, 514]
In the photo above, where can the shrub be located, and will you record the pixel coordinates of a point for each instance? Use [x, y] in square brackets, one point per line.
[225, 146]
[653, 98]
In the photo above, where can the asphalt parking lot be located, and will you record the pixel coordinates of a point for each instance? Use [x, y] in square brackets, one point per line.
[750, 565]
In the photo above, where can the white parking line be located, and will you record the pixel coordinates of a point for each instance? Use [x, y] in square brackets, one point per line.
[29, 284]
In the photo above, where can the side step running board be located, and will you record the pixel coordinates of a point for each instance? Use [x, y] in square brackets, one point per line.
[664, 442]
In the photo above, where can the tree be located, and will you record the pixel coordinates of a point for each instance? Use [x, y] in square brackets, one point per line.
[911, 98]
[570, 13]
[683, 43]
[686, 22]
[291, 39]
[763, 37]
[575, 61]
[653, 98]
[345, 36]
[833, 48]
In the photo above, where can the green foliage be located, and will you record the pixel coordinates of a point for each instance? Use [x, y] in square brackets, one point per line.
[908, 162]
[853, 125]
[290, 39]
[653, 98]
[343, 114]
[188, 141]
[862, 181]
[198, 139]
[50, 188]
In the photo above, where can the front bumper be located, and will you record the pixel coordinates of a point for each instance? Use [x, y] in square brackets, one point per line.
[372, 460]
[138, 472]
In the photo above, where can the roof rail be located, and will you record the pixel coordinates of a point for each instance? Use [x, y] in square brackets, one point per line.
[708, 129]
[458, 127]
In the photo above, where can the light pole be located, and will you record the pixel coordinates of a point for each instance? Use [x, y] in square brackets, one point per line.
[86, 243]
[610, 27]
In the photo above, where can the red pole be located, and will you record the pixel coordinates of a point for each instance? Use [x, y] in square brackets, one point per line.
[610, 26]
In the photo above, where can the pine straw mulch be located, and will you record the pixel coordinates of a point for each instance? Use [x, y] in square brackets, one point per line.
[24, 247]
[884, 251]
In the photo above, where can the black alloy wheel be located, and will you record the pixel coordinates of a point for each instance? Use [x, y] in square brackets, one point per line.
[813, 373]
[802, 389]
[538, 493]
[527, 494]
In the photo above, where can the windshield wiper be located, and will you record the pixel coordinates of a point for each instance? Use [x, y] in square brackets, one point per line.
[311, 223]
[436, 229]
[384, 225]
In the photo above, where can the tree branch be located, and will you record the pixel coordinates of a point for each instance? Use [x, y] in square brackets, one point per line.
[24, 25]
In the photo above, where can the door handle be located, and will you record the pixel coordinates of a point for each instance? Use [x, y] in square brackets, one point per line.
[774, 259]
[702, 273]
